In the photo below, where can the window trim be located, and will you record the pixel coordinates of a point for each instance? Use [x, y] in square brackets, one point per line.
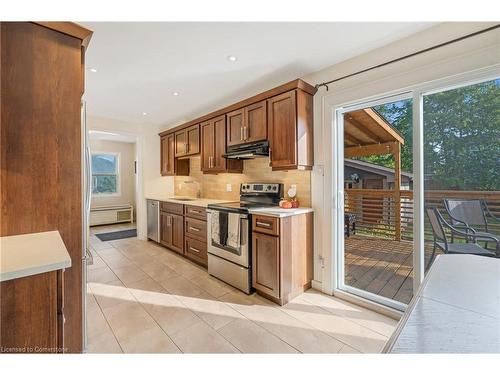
[118, 192]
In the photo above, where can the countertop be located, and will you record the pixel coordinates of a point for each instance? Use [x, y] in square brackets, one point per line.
[280, 212]
[456, 310]
[31, 254]
[200, 202]
[266, 211]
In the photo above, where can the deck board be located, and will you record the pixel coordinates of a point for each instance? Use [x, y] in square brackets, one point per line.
[380, 266]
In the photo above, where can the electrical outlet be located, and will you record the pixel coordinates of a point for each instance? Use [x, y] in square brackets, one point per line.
[229, 187]
[293, 186]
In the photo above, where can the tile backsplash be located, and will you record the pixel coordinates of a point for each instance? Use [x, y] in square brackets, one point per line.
[255, 170]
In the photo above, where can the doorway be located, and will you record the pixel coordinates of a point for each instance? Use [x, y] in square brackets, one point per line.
[376, 249]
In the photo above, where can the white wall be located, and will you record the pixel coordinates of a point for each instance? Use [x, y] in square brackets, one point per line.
[126, 152]
[150, 182]
[467, 55]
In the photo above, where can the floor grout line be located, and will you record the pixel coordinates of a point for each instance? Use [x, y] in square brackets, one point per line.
[239, 315]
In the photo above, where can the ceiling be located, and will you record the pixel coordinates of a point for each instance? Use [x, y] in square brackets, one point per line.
[139, 65]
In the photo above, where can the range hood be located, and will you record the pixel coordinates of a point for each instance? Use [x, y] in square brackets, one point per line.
[248, 151]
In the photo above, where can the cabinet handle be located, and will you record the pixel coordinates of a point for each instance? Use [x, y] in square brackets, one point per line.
[262, 224]
[193, 249]
[241, 133]
[245, 133]
[195, 229]
[169, 221]
[186, 148]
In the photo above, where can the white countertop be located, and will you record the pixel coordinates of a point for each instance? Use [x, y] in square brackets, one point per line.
[280, 212]
[456, 310]
[200, 202]
[31, 254]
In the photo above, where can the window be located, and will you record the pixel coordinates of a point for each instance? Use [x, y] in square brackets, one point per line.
[105, 177]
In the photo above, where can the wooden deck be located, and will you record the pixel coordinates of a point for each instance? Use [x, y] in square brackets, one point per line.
[380, 266]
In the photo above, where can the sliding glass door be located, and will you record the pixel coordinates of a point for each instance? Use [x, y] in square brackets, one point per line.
[377, 249]
[462, 170]
[418, 175]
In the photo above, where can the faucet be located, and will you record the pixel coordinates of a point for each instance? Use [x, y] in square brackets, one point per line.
[198, 188]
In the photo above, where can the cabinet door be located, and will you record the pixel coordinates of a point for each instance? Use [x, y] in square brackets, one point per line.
[163, 155]
[177, 224]
[235, 127]
[165, 229]
[255, 126]
[193, 139]
[282, 121]
[219, 163]
[180, 143]
[170, 151]
[207, 145]
[266, 264]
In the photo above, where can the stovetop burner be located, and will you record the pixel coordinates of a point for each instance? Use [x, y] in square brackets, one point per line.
[253, 195]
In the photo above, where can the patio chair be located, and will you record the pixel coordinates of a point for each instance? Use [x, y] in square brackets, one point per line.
[473, 214]
[438, 225]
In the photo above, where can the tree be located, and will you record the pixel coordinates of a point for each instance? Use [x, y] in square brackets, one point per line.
[461, 137]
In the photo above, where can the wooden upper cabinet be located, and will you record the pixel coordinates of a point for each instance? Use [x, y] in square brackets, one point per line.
[170, 166]
[213, 146]
[255, 122]
[180, 143]
[290, 130]
[218, 161]
[187, 141]
[193, 139]
[235, 125]
[247, 125]
[207, 145]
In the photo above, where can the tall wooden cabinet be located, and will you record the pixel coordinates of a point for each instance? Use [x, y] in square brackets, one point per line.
[42, 75]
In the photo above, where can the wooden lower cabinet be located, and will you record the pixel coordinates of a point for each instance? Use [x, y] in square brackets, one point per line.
[172, 231]
[183, 229]
[34, 323]
[266, 264]
[196, 250]
[282, 259]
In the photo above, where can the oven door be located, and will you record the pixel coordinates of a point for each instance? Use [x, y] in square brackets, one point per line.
[239, 255]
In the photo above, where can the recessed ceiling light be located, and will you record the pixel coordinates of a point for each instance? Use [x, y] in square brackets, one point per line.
[175, 93]
[93, 70]
[232, 58]
[144, 113]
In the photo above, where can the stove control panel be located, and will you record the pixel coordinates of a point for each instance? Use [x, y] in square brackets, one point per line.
[265, 188]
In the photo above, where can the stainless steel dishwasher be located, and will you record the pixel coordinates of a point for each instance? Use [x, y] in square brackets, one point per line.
[154, 220]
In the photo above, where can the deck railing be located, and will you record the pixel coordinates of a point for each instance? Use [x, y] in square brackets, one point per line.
[376, 215]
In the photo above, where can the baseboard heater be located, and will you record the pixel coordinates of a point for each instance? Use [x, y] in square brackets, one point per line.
[111, 214]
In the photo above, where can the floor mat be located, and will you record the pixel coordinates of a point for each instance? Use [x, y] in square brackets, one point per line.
[117, 235]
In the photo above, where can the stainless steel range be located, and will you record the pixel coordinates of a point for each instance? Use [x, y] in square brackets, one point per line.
[230, 233]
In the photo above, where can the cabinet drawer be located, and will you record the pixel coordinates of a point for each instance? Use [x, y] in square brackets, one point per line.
[266, 224]
[196, 250]
[174, 208]
[195, 228]
[195, 212]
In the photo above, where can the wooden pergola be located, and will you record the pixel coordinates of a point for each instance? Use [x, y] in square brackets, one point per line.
[367, 133]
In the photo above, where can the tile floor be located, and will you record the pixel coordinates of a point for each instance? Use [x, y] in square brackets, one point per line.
[144, 298]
